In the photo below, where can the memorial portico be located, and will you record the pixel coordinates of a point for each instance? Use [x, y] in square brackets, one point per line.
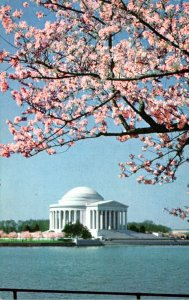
[89, 208]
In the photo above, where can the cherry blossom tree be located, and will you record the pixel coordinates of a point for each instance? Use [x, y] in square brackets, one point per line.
[36, 235]
[25, 235]
[87, 69]
[52, 235]
[1, 233]
[13, 235]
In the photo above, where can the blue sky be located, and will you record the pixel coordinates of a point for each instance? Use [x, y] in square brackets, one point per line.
[29, 186]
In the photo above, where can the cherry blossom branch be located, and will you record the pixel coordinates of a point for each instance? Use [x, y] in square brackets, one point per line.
[68, 74]
[152, 75]
[101, 68]
[61, 6]
[146, 24]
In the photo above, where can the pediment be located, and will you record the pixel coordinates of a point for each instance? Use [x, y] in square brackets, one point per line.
[109, 204]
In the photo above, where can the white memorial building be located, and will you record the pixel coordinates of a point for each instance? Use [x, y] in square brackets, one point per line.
[85, 205]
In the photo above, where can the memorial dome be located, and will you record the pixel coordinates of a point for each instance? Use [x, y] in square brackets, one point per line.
[80, 196]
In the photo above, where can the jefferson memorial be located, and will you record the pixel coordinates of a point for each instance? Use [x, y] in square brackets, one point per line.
[85, 205]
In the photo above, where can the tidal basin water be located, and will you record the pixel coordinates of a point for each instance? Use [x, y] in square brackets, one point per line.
[162, 269]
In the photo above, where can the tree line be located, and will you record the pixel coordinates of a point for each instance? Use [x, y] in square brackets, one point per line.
[26, 225]
[43, 225]
[147, 226]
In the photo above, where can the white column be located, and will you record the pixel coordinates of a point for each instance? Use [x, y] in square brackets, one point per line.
[106, 217]
[63, 219]
[125, 220]
[81, 216]
[94, 219]
[97, 219]
[114, 220]
[75, 215]
[59, 219]
[110, 219]
[53, 219]
[101, 219]
[121, 220]
[57, 222]
[71, 216]
[52, 223]
[90, 224]
[118, 220]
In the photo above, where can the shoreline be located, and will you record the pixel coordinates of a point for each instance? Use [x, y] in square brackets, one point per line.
[36, 244]
[149, 242]
[124, 242]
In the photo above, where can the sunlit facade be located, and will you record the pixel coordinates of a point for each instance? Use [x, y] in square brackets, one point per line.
[85, 205]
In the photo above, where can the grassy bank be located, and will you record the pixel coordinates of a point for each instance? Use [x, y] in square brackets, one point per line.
[33, 242]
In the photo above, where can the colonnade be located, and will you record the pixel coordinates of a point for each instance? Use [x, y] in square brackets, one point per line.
[92, 218]
[108, 219]
[59, 218]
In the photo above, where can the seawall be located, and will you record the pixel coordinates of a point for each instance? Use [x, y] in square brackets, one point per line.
[86, 243]
[36, 244]
[148, 242]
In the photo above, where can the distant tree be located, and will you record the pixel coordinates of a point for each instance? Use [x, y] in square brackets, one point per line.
[8, 225]
[151, 226]
[20, 226]
[33, 225]
[26, 225]
[43, 224]
[36, 227]
[76, 230]
[142, 229]
[132, 227]
[27, 228]
[147, 226]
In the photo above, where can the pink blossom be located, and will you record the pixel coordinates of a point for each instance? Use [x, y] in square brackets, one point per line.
[40, 15]
[122, 175]
[13, 235]
[4, 86]
[17, 13]
[25, 4]
[1, 233]
[25, 235]
[140, 179]
[148, 181]
[3, 55]
[36, 235]
[51, 151]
